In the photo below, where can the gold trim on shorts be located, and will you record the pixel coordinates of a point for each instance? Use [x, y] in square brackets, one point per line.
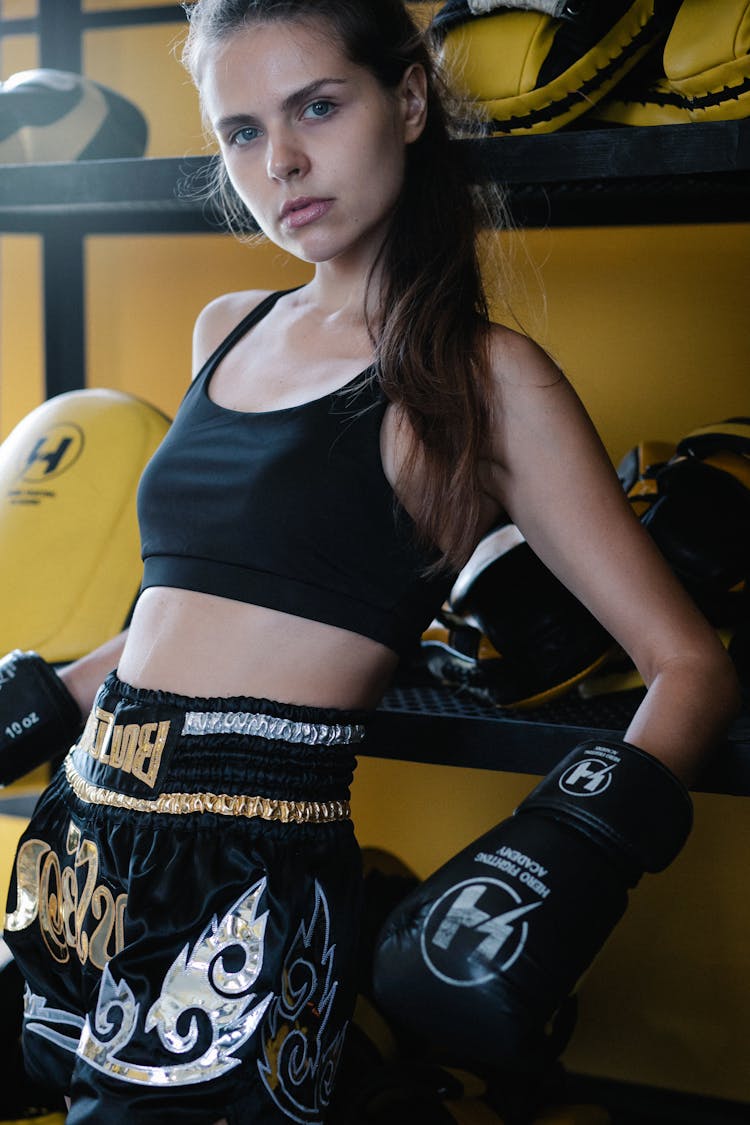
[225, 804]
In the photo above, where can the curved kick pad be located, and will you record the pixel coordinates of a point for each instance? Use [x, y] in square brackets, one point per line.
[703, 73]
[533, 66]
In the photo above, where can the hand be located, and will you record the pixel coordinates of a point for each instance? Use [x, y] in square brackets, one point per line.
[38, 716]
[479, 959]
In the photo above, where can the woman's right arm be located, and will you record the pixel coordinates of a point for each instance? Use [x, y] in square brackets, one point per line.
[83, 677]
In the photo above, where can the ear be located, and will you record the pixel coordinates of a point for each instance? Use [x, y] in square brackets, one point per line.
[413, 98]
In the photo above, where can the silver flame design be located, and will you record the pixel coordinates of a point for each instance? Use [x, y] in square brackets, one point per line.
[300, 1052]
[38, 1014]
[197, 984]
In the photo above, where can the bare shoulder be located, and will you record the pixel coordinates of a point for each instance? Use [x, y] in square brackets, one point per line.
[518, 361]
[531, 397]
[218, 318]
[539, 421]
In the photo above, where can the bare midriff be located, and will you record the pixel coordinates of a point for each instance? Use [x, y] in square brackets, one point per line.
[201, 645]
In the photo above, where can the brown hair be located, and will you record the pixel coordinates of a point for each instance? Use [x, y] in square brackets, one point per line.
[431, 335]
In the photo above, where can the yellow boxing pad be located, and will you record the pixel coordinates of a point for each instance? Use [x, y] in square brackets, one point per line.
[533, 66]
[730, 436]
[70, 565]
[704, 73]
[638, 472]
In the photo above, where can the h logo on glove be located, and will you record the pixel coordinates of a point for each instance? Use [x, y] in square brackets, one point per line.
[587, 778]
[457, 919]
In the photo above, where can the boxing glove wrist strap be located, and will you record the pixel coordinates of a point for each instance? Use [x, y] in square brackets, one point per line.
[622, 796]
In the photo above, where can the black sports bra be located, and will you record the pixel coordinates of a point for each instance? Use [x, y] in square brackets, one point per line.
[288, 509]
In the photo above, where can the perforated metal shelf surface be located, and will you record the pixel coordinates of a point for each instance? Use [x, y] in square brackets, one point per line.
[610, 712]
[425, 722]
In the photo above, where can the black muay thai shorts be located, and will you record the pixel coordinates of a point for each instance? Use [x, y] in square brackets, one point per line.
[184, 909]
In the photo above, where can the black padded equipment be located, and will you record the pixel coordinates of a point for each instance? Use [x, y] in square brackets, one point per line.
[512, 633]
[39, 718]
[480, 958]
[53, 115]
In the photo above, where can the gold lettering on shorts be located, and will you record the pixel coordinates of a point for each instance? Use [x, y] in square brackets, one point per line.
[73, 909]
[151, 739]
[134, 748]
[55, 906]
[28, 867]
[96, 733]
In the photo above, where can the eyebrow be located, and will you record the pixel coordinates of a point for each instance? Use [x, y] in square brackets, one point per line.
[291, 101]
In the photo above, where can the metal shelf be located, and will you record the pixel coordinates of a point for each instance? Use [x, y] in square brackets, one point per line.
[665, 174]
[441, 726]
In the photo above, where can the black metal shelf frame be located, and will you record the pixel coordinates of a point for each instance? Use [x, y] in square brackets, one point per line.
[665, 174]
[61, 24]
[442, 726]
[580, 177]
[595, 177]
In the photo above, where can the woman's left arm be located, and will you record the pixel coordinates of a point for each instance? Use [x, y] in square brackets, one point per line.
[549, 471]
[604, 815]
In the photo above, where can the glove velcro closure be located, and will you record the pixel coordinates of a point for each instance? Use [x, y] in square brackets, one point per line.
[40, 718]
[622, 796]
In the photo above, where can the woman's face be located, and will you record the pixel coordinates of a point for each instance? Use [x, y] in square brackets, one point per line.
[313, 144]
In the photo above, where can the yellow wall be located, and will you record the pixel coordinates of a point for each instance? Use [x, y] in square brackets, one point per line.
[21, 343]
[651, 326]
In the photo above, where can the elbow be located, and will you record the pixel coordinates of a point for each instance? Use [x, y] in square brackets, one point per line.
[719, 689]
[721, 682]
[722, 685]
[723, 703]
[689, 707]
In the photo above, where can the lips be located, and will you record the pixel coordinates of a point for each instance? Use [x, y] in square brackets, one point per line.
[299, 212]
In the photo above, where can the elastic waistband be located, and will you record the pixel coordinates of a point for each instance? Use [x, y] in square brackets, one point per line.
[155, 751]
[336, 726]
[221, 804]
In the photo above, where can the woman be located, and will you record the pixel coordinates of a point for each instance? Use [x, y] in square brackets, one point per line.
[339, 454]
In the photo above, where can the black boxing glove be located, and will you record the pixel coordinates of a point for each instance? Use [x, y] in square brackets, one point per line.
[39, 718]
[478, 960]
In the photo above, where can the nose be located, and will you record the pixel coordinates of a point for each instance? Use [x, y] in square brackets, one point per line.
[284, 159]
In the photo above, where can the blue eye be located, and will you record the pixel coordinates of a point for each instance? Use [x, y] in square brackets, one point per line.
[244, 136]
[319, 108]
